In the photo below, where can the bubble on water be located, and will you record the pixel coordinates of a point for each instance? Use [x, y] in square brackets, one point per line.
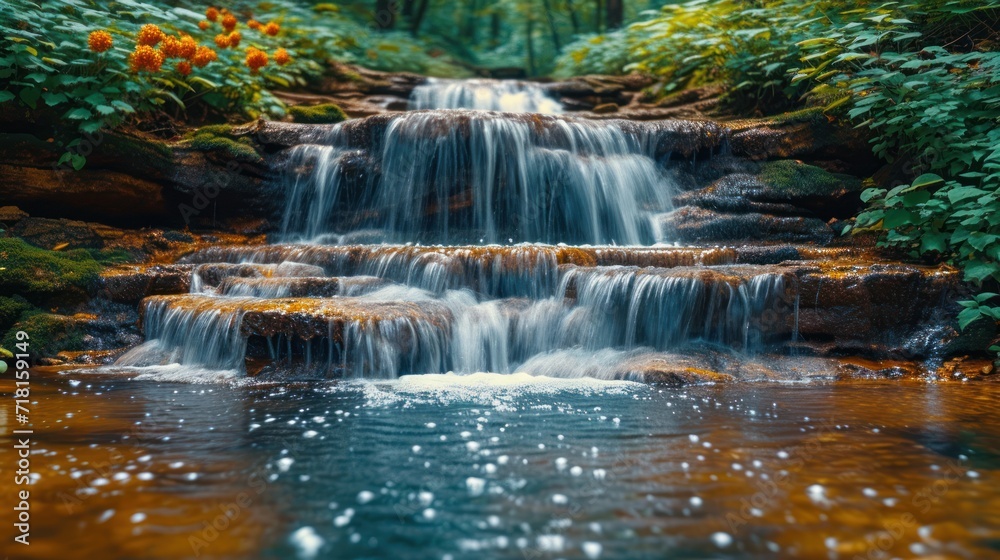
[253, 427]
[576, 471]
[144, 476]
[502, 460]
[782, 454]
[693, 438]
[475, 485]
[816, 492]
[306, 541]
[144, 458]
[191, 476]
[972, 474]
[722, 540]
[415, 449]
[285, 463]
[489, 468]
[696, 501]
[561, 463]
[592, 549]
[493, 521]
[99, 482]
[551, 543]
[108, 514]
[599, 474]
[869, 492]
[472, 446]
[319, 419]
[559, 499]
[138, 517]
[310, 434]
[177, 464]
[344, 518]
[429, 514]
[426, 498]
[121, 476]
[431, 425]
[737, 467]
[365, 496]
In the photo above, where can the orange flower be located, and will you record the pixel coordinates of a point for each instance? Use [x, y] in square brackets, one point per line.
[256, 59]
[229, 22]
[212, 14]
[272, 29]
[171, 47]
[99, 41]
[149, 35]
[234, 39]
[203, 24]
[254, 24]
[184, 68]
[222, 40]
[281, 57]
[188, 47]
[203, 57]
[146, 58]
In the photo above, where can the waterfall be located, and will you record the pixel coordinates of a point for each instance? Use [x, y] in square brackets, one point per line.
[473, 240]
[479, 177]
[485, 95]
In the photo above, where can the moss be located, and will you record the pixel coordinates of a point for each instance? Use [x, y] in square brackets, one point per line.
[11, 310]
[220, 138]
[241, 149]
[39, 274]
[214, 130]
[790, 177]
[326, 113]
[49, 334]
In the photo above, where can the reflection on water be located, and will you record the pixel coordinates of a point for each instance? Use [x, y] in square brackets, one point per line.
[510, 466]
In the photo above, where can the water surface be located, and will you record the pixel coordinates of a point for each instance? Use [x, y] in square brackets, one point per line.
[509, 466]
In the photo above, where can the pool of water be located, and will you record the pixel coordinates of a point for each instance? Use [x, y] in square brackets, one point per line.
[507, 466]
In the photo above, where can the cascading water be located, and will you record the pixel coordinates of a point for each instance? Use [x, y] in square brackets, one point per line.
[487, 95]
[475, 177]
[611, 309]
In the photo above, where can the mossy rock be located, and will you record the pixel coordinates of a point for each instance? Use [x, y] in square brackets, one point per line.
[326, 113]
[39, 274]
[48, 334]
[793, 179]
[220, 138]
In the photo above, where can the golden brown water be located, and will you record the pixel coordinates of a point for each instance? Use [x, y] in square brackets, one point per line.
[502, 466]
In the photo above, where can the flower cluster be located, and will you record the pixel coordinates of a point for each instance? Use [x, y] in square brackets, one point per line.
[99, 41]
[153, 46]
[145, 58]
[256, 59]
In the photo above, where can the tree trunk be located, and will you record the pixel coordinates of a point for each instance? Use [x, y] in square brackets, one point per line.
[408, 8]
[573, 17]
[598, 12]
[385, 14]
[552, 24]
[529, 31]
[495, 29]
[616, 14]
[470, 23]
[419, 17]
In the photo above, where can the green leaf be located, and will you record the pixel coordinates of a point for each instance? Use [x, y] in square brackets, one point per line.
[968, 316]
[79, 114]
[6, 96]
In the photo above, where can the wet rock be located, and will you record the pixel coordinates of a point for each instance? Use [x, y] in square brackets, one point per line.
[11, 214]
[605, 108]
[693, 224]
[130, 284]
